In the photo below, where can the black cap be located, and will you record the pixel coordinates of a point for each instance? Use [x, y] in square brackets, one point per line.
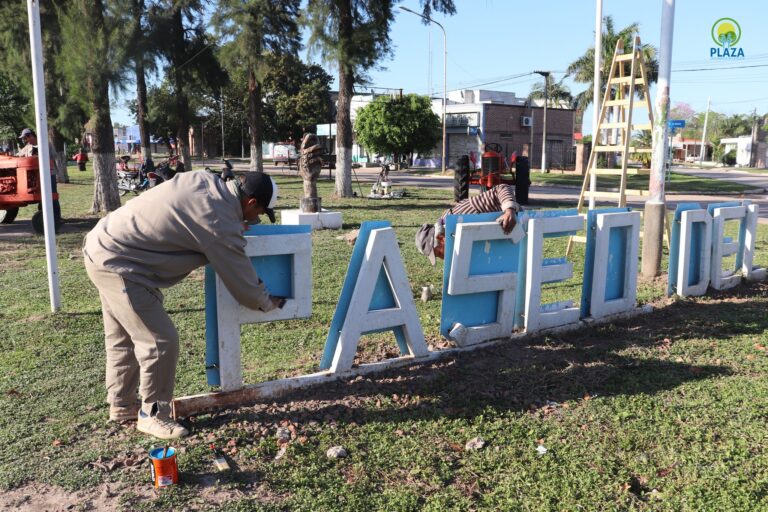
[262, 187]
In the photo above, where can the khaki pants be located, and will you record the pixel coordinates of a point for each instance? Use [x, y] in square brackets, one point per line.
[141, 342]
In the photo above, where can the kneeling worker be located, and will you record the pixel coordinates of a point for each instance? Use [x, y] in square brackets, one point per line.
[153, 242]
[430, 239]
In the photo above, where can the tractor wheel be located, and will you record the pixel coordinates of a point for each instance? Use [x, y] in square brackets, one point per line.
[8, 216]
[39, 225]
[460, 184]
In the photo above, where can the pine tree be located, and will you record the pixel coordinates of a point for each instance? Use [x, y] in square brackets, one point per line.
[354, 35]
[259, 30]
[90, 28]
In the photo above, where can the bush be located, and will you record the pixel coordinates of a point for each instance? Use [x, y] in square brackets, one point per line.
[729, 158]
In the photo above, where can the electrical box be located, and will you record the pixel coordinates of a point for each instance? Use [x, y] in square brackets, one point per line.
[526, 121]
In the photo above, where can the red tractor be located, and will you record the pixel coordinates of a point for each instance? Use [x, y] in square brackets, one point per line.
[493, 171]
[20, 186]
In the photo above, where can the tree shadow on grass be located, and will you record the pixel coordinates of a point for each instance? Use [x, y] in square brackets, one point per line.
[621, 358]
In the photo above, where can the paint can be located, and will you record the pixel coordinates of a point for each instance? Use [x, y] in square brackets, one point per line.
[163, 467]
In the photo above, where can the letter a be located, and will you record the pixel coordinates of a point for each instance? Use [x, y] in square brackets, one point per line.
[381, 251]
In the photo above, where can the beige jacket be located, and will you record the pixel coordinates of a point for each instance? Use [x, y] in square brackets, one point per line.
[30, 150]
[158, 238]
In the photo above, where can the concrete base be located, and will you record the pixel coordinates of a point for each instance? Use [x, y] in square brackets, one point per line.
[323, 220]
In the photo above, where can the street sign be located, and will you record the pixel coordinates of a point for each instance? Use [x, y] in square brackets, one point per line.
[676, 123]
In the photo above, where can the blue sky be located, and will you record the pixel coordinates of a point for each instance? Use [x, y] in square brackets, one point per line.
[489, 40]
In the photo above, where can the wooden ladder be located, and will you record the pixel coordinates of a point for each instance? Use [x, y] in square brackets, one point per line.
[619, 94]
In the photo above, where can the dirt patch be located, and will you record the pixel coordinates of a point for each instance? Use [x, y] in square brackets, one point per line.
[37, 497]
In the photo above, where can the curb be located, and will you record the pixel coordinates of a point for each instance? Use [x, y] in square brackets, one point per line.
[667, 192]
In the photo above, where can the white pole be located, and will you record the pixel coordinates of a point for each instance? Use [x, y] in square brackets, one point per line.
[544, 126]
[445, 71]
[596, 94]
[704, 133]
[445, 84]
[43, 154]
[655, 207]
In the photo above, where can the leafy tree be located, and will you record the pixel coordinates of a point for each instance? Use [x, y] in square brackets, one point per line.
[682, 111]
[297, 98]
[354, 35]
[582, 69]
[66, 116]
[558, 94]
[13, 108]
[397, 126]
[258, 28]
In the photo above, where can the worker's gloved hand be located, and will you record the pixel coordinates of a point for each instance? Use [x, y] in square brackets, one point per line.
[507, 221]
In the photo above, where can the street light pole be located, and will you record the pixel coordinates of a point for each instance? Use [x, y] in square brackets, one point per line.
[596, 94]
[545, 74]
[445, 73]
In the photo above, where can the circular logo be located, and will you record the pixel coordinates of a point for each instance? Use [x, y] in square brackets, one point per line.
[726, 32]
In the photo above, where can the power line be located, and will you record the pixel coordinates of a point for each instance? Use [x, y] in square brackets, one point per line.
[721, 68]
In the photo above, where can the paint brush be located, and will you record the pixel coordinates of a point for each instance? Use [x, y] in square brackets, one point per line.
[165, 451]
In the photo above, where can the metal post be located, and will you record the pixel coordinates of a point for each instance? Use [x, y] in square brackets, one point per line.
[596, 94]
[655, 207]
[545, 74]
[445, 73]
[222, 123]
[704, 133]
[43, 153]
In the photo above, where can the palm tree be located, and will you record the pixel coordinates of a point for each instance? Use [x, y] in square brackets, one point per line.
[582, 69]
[558, 94]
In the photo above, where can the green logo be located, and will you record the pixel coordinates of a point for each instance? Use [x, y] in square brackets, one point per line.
[726, 32]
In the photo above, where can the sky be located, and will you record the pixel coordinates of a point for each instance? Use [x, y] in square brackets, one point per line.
[492, 40]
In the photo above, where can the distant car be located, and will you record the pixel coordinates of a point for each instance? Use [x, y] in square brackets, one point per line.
[284, 153]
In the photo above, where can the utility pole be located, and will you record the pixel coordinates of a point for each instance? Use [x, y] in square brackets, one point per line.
[704, 133]
[545, 74]
[655, 207]
[596, 94]
[222, 123]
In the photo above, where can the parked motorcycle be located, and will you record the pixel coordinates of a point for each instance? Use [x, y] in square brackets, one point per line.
[226, 173]
[137, 180]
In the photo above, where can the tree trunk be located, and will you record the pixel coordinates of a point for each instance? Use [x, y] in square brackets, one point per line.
[310, 188]
[105, 194]
[254, 121]
[141, 110]
[182, 102]
[343, 116]
[57, 141]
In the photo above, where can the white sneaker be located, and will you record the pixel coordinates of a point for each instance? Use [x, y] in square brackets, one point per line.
[160, 427]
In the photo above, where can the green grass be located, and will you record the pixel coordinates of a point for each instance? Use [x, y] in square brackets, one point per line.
[663, 412]
[678, 182]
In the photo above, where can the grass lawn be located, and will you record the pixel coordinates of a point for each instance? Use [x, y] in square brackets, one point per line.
[677, 183]
[666, 411]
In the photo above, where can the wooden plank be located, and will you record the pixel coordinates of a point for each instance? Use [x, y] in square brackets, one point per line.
[626, 80]
[616, 103]
[619, 172]
[623, 58]
[619, 149]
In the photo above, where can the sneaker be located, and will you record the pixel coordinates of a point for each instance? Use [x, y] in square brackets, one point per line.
[123, 414]
[162, 428]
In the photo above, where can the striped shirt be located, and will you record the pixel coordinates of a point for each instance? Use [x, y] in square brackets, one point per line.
[496, 199]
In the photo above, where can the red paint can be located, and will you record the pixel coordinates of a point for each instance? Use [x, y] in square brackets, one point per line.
[163, 467]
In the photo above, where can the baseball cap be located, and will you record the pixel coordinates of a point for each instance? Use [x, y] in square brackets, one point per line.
[262, 187]
[425, 241]
[25, 132]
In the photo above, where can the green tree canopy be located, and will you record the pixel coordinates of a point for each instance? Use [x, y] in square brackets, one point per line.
[297, 97]
[397, 126]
